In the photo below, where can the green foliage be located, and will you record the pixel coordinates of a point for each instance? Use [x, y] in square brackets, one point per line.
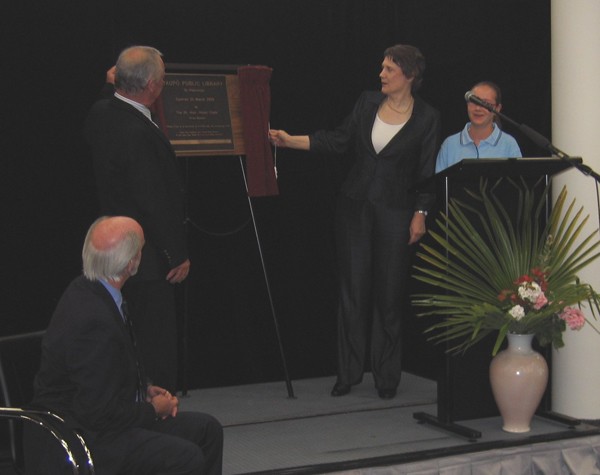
[482, 254]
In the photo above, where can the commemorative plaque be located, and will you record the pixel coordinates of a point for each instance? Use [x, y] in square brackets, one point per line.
[200, 113]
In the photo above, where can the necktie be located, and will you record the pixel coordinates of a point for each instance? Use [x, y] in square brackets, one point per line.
[141, 387]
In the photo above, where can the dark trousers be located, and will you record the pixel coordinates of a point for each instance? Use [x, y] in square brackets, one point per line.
[153, 312]
[374, 263]
[189, 444]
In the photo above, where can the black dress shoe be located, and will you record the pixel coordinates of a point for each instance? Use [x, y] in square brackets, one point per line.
[340, 389]
[386, 393]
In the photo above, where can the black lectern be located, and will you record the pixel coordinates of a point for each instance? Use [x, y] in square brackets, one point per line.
[463, 386]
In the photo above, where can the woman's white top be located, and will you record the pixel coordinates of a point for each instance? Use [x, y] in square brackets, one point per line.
[382, 133]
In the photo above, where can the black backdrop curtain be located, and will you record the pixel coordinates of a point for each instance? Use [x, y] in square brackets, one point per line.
[323, 54]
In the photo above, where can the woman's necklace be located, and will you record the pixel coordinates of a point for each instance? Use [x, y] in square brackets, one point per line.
[389, 104]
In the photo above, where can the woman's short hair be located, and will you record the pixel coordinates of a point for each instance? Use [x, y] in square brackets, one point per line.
[410, 60]
[109, 264]
[136, 66]
[494, 87]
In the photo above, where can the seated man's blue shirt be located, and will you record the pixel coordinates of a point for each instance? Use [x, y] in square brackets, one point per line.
[458, 146]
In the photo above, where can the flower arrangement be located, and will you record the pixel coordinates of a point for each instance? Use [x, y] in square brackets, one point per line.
[528, 298]
[509, 274]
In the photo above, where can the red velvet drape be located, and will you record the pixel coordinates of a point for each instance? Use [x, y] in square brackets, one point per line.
[255, 98]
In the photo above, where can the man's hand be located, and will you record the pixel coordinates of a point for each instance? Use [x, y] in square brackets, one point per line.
[179, 273]
[110, 75]
[164, 403]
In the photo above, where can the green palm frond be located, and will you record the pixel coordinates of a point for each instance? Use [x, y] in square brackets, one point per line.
[480, 249]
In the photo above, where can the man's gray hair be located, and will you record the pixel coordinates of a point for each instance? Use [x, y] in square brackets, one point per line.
[136, 66]
[109, 264]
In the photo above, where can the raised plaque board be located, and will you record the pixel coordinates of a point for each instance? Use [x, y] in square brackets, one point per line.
[201, 112]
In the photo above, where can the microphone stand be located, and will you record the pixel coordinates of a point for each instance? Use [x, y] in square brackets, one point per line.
[544, 143]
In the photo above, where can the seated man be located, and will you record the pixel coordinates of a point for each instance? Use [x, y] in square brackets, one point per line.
[91, 375]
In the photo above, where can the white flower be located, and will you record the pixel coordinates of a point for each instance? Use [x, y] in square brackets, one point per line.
[530, 291]
[517, 312]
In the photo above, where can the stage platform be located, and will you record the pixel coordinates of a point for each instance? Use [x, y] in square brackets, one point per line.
[268, 432]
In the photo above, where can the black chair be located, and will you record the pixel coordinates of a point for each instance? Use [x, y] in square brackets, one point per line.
[19, 362]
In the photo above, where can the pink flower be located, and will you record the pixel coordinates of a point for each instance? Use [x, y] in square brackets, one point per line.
[540, 302]
[574, 317]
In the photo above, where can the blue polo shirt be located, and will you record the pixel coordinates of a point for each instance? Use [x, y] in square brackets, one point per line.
[458, 146]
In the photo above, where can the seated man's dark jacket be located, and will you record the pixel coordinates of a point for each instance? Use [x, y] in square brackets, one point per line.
[88, 370]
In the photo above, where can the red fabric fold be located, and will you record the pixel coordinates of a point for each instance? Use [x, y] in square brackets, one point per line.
[255, 100]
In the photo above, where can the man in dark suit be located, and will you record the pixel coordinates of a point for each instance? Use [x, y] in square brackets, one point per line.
[137, 175]
[91, 376]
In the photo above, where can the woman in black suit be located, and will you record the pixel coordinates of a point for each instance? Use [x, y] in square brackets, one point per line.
[394, 137]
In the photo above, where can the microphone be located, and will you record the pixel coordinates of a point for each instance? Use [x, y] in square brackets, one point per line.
[470, 97]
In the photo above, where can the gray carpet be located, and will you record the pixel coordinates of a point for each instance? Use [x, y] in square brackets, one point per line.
[256, 403]
[266, 431]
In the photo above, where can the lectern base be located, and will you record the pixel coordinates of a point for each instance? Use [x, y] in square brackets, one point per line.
[570, 422]
[471, 434]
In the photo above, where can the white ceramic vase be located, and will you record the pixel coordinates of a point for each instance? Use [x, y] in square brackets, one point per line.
[518, 376]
